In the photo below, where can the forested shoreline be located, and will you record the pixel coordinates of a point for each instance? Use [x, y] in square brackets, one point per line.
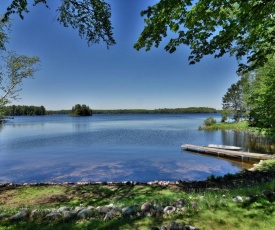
[158, 111]
[24, 110]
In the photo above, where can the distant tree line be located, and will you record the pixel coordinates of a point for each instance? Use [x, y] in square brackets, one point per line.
[158, 111]
[63, 111]
[84, 110]
[23, 110]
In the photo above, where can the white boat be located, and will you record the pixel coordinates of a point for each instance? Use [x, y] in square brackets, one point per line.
[227, 147]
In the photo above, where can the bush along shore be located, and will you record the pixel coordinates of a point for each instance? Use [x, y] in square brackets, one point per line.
[237, 126]
[245, 200]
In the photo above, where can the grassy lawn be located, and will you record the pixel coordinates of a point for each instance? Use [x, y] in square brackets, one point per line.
[211, 209]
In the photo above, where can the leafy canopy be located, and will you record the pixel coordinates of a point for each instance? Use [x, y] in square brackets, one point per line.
[14, 68]
[262, 97]
[253, 96]
[17, 67]
[245, 29]
[90, 17]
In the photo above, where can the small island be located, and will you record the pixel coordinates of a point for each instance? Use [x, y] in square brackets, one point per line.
[81, 110]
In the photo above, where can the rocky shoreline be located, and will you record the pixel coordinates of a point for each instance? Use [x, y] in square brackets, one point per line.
[105, 213]
[61, 212]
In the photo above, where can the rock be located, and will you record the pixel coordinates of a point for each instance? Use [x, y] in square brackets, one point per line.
[84, 213]
[163, 228]
[2, 215]
[108, 216]
[130, 210]
[78, 208]
[194, 205]
[159, 209]
[116, 210]
[92, 208]
[53, 216]
[54, 210]
[69, 215]
[62, 209]
[238, 199]
[110, 206]
[175, 226]
[36, 213]
[268, 194]
[154, 228]
[169, 209]
[146, 207]
[189, 227]
[147, 214]
[180, 203]
[103, 209]
[18, 216]
[127, 211]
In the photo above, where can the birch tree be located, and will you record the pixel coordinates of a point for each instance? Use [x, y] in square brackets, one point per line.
[14, 68]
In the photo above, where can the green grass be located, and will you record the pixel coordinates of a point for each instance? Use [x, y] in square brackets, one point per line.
[214, 209]
[238, 126]
[267, 165]
[28, 196]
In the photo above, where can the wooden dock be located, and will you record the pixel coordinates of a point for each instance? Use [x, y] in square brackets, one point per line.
[227, 153]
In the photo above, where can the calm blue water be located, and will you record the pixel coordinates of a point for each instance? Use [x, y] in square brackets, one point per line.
[60, 148]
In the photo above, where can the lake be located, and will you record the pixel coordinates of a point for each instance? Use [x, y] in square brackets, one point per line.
[140, 147]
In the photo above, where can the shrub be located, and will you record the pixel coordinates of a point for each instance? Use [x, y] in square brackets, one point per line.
[209, 121]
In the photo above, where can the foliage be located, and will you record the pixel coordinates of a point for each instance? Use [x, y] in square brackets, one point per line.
[158, 111]
[15, 68]
[209, 121]
[23, 110]
[215, 207]
[234, 101]
[239, 126]
[145, 111]
[262, 97]
[3, 35]
[240, 28]
[90, 17]
[226, 114]
[63, 111]
[253, 97]
[267, 165]
[244, 29]
[81, 110]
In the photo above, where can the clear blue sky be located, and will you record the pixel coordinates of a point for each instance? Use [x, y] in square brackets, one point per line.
[118, 78]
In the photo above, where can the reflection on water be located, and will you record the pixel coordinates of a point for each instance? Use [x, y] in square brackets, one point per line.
[114, 148]
[80, 127]
[235, 162]
[249, 142]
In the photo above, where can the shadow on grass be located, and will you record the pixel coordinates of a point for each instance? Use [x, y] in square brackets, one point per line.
[126, 194]
[122, 223]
